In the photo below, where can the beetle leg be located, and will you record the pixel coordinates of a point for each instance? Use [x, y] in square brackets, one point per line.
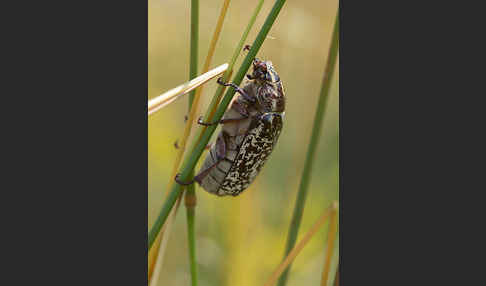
[183, 183]
[198, 178]
[222, 121]
[237, 89]
[176, 145]
[220, 156]
[241, 109]
[221, 146]
[238, 107]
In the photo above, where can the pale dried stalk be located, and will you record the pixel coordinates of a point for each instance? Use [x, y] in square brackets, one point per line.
[331, 237]
[170, 96]
[160, 256]
[336, 279]
[152, 255]
[296, 250]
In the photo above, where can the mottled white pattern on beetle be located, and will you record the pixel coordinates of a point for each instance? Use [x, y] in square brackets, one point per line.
[233, 178]
[252, 158]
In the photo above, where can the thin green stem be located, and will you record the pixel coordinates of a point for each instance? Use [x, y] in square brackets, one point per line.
[316, 132]
[190, 193]
[219, 92]
[190, 200]
[194, 45]
[198, 146]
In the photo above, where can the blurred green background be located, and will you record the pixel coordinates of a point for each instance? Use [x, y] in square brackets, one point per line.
[241, 240]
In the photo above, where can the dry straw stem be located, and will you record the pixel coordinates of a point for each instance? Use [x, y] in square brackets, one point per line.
[159, 259]
[170, 96]
[296, 250]
[156, 254]
[212, 46]
[153, 253]
[331, 237]
[336, 280]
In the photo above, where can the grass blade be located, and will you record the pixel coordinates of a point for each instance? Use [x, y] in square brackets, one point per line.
[316, 131]
[190, 201]
[296, 250]
[194, 45]
[336, 279]
[198, 147]
[331, 236]
[190, 197]
[156, 266]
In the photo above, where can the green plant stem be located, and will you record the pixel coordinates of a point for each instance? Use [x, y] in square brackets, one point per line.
[219, 92]
[316, 132]
[194, 45]
[198, 146]
[190, 196]
[190, 201]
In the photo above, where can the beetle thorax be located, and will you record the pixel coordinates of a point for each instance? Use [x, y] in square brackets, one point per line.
[271, 98]
[269, 88]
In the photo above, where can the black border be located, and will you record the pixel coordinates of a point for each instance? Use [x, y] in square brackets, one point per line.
[75, 99]
[77, 76]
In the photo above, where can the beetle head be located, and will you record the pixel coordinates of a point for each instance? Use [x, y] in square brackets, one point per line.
[270, 93]
[263, 71]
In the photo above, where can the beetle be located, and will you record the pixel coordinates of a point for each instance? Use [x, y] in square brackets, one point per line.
[251, 128]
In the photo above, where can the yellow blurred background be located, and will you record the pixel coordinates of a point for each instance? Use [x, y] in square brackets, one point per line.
[241, 240]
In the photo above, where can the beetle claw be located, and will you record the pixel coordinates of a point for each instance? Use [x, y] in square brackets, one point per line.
[200, 122]
[181, 182]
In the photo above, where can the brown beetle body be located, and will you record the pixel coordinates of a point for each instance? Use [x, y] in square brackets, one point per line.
[251, 128]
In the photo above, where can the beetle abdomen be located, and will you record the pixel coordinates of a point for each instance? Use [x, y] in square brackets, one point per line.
[216, 176]
[252, 154]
